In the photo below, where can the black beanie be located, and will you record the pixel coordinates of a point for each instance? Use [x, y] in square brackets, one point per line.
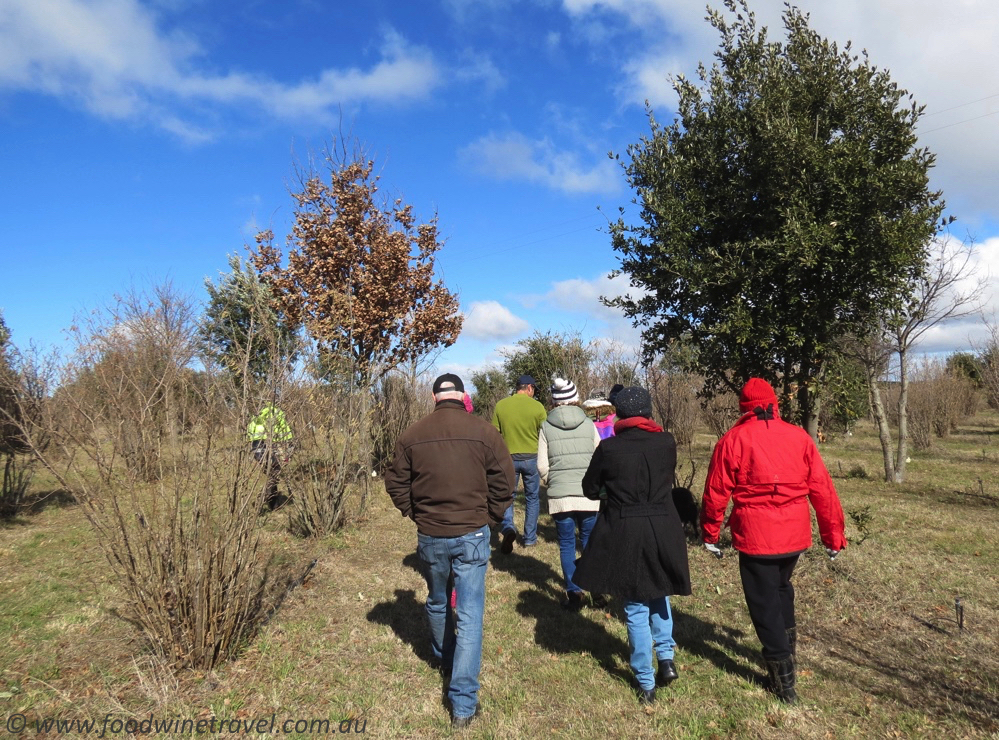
[633, 401]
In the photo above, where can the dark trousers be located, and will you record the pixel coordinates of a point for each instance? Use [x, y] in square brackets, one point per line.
[766, 582]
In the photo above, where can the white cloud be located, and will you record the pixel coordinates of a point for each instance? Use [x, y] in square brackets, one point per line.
[513, 156]
[491, 320]
[479, 68]
[583, 297]
[966, 333]
[111, 57]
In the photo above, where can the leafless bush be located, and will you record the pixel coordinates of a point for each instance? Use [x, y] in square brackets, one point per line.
[328, 468]
[612, 363]
[399, 401]
[674, 398]
[177, 522]
[720, 412]
[938, 402]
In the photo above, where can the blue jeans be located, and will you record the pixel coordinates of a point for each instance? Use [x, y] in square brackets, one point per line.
[649, 623]
[526, 470]
[457, 646]
[565, 525]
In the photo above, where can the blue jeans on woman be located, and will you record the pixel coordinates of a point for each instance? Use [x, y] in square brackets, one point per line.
[458, 647]
[650, 624]
[566, 524]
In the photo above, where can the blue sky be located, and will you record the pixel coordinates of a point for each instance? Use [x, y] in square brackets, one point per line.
[145, 140]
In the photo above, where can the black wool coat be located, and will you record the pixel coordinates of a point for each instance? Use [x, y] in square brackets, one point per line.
[637, 550]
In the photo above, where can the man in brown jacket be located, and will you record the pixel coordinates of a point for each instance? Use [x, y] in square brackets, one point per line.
[453, 476]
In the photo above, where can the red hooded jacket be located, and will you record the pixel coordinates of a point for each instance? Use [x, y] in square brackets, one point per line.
[771, 470]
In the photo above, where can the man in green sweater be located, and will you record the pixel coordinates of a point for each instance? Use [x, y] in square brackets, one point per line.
[519, 418]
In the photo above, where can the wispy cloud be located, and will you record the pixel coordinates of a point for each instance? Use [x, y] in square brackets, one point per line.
[474, 67]
[513, 156]
[112, 58]
[490, 320]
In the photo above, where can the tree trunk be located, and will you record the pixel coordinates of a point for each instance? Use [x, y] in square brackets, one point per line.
[878, 409]
[809, 405]
[903, 415]
[366, 447]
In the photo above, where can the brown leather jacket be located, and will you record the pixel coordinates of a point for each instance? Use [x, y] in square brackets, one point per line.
[452, 473]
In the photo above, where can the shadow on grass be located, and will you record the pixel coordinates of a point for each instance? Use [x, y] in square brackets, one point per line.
[38, 502]
[526, 568]
[406, 616]
[563, 632]
[934, 683]
[714, 642]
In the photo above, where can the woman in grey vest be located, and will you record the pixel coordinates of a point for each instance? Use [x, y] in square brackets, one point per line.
[565, 445]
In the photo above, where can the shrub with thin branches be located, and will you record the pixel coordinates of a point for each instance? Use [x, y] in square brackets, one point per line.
[176, 522]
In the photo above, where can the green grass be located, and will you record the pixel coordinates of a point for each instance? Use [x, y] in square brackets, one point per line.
[878, 656]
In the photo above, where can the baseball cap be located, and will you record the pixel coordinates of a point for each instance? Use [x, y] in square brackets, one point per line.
[448, 382]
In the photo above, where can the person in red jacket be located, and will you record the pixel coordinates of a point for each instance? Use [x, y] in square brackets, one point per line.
[771, 470]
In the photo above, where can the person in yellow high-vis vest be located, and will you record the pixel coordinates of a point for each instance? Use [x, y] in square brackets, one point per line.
[271, 442]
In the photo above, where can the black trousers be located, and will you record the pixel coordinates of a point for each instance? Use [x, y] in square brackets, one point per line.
[766, 582]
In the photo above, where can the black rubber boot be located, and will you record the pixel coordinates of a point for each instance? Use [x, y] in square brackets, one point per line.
[783, 679]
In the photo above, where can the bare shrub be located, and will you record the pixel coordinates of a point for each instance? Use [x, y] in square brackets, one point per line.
[674, 398]
[399, 401]
[329, 466]
[720, 412]
[938, 401]
[612, 363]
[177, 523]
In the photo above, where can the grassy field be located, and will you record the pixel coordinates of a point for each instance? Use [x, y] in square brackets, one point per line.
[880, 652]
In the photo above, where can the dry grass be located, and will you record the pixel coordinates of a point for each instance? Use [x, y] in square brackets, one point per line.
[878, 656]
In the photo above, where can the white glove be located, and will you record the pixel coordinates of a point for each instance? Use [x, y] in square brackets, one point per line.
[713, 549]
[832, 553]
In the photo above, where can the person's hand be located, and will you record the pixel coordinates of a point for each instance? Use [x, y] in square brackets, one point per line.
[713, 549]
[832, 553]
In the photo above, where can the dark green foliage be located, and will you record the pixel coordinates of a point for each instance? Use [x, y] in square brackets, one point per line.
[544, 355]
[241, 330]
[966, 365]
[786, 206]
[14, 452]
[845, 397]
[491, 385]
[862, 518]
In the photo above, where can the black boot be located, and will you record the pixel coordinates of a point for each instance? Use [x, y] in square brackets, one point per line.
[792, 640]
[667, 673]
[783, 679]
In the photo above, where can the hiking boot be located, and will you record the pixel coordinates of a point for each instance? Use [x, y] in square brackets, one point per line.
[460, 723]
[666, 674]
[783, 679]
[574, 601]
[506, 546]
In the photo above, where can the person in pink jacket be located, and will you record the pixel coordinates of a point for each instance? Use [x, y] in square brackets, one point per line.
[771, 471]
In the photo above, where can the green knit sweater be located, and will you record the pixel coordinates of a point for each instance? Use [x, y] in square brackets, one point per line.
[519, 418]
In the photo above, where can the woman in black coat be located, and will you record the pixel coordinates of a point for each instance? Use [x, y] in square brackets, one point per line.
[637, 550]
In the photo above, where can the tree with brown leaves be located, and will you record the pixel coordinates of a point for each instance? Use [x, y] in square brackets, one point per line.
[359, 274]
